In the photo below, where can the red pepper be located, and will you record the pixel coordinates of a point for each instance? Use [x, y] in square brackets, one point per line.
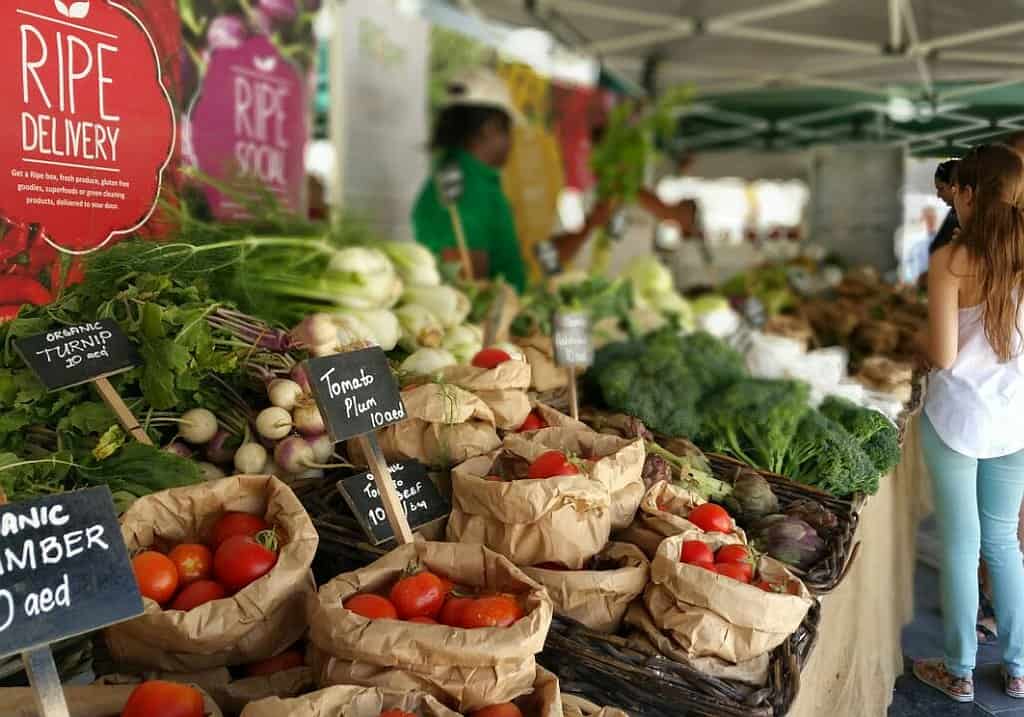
[9, 312]
[23, 290]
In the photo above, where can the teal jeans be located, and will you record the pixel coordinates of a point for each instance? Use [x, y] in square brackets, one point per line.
[977, 503]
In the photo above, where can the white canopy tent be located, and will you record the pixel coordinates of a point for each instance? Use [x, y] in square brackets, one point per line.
[931, 74]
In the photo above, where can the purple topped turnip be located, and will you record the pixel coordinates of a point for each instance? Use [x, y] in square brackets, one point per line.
[279, 10]
[226, 32]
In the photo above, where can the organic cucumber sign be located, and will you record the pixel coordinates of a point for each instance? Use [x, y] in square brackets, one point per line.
[87, 127]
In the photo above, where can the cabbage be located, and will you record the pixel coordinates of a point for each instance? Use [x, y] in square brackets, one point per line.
[420, 328]
[363, 278]
[426, 362]
[709, 303]
[449, 305]
[673, 304]
[414, 263]
[464, 342]
[382, 324]
[650, 277]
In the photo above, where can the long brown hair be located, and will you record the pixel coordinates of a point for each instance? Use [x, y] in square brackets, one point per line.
[994, 238]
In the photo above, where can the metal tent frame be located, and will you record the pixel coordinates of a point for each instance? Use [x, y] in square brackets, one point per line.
[933, 75]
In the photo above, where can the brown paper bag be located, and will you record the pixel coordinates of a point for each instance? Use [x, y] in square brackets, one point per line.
[259, 621]
[445, 426]
[503, 388]
[712, 615]
[649, 639]
[466, 669]
[540, 353]
[597, 598]
[663, 512]
[557, 419]
[348, 701]
[563, 520]
[231, 695]
[84, 701]
[573, 706]
[619, 463]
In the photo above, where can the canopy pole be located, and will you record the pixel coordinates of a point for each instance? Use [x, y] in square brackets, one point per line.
[895, 25]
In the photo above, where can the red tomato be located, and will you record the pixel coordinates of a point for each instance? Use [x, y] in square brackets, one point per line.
[696, 551]
[491, 611]
[372, 606]
[711, 518]
[446, 584]
[736, 571]
[551, 464]
[451, 613]
[396, 713]
[491, 357]
[423, 620]
[241, 560]
[732, 554]
[419, 595]
[163, 699]
[288, 660]
[198, 593]
[232, 524]
[533, 422]
[506, 709]
[156, 575]
[193, 561]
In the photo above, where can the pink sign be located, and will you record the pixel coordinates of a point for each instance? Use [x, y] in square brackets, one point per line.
[87, 126]
[250, 120]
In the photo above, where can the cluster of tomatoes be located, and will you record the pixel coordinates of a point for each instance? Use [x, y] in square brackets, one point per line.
[505, 709]
[241, 550]
[428, 598]
[157, 698]
[550, 464]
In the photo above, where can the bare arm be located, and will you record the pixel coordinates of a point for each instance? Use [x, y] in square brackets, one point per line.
[943, 307]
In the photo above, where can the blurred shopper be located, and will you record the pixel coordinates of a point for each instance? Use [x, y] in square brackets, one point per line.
[944, 190]
[472, 139]
[971, 437]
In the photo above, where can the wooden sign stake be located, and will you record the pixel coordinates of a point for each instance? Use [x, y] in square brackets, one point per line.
[460, 239]
[45, 681]
[124, 414]
[494, 316]
[574, 399]
[388, 494]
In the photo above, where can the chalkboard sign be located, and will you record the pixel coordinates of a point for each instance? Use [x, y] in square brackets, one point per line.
[72, 355]
[64, 569]
[571, 338]
[356, 392]
[547, 257]
[420, 500]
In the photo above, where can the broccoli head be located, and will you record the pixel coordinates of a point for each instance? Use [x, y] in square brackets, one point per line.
[754, 420]
[713, 363]
[824, 455]
[875, 433]
[656, 388]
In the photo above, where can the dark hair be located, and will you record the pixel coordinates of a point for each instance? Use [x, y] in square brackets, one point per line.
[945, 171]
[1014, 138]
[459, 124]
[994, 237]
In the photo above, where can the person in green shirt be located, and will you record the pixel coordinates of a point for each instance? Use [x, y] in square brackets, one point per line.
[473, 136]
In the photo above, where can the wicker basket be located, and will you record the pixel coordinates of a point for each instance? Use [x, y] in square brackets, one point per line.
[605, 670]
[841, 546]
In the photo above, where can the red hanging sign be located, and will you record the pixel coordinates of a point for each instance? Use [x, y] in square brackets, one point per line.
[88, 127]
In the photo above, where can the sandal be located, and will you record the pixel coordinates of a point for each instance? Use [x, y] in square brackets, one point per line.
[934, 674]
[986, 626]
[1013, 686]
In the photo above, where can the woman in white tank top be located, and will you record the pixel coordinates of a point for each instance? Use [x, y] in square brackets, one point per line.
[972, 430]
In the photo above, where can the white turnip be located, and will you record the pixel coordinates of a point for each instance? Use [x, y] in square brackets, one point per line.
[323, 448]
[284, 393]
[250, 458]
[294, 455]
[208, 471]
[315, 329]
[198, 426]
[179, 449]
[274, 423]
[307, 419]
